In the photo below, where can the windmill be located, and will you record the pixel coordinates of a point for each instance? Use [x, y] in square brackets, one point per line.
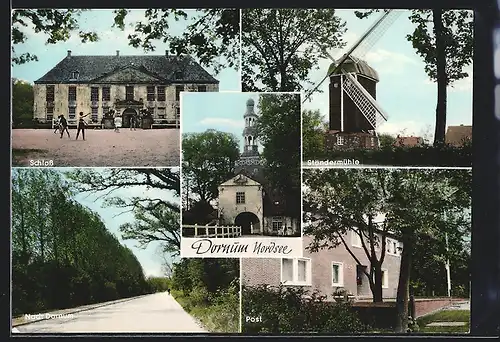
[353, 109]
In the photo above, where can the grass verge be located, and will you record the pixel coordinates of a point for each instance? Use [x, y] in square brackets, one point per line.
[19, 155]
[445, 316]
[219, 314]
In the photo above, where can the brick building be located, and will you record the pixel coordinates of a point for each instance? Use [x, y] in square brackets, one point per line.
[328, 270]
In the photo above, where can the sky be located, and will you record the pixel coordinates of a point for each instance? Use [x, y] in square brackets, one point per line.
[220, 111]
[149, 257]
[405, 91]
[112, 39]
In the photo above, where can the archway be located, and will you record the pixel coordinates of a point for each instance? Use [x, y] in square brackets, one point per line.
[249, 223]
[126, 117]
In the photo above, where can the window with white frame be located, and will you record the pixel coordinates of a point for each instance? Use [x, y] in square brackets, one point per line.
[277, 223]
[296, 271]
[340, 140]
[392, 247]
[385, 279]
[240, 197]
[355, 238]
[337, 274]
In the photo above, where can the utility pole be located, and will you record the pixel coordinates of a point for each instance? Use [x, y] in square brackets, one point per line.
[447, 265]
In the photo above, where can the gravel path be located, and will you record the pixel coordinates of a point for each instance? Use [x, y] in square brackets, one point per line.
[102, 148]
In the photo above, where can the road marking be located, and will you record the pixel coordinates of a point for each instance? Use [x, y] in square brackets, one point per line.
[15, 330]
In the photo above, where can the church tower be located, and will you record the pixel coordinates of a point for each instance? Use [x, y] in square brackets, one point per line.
[250, 132]
[250, 161]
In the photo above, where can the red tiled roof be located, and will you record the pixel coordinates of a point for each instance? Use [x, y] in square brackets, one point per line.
[457, 135]
[408, 141]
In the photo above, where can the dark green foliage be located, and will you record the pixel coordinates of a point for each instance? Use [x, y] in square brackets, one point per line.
[211, 34]
[313, 133]
[280, 135]
[158, 284]
[442, 155]
[62, 254]
[278, 53]
[294, 309]
[208, 160]
[209, 290]
[22, 104]
[58, 24]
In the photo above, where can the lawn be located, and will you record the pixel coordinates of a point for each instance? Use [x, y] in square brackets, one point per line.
[445, 316]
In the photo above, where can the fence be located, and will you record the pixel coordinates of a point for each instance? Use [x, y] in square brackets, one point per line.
[211, 231]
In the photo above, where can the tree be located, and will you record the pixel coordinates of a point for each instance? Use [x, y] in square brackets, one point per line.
[279, 132]
[157, 219]
[280, 47]
[446, 47]
[208, 160]
[58, 25]
[55, 237]
[386, 140]
[412, 203]
[313, 133]
[211, 34]
[22, 101]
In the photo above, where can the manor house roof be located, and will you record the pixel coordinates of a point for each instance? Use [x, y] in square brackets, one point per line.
[168, 68]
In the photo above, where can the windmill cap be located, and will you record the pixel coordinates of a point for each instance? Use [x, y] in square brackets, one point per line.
[354, 64]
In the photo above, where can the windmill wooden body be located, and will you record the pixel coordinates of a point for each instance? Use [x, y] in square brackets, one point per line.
[354, 112]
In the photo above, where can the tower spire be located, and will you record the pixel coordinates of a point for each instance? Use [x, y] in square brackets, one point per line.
[250, 131]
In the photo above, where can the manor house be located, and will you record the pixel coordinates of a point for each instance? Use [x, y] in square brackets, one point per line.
[128, 85]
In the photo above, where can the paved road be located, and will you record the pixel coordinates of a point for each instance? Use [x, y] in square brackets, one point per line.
[459, 306]
[155, 313]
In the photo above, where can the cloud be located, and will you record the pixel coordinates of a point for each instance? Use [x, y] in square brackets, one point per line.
[405, 128]
[222, 122]
[464, 85]
[388, 61]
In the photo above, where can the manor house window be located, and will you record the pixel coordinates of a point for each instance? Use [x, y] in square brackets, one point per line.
[94, 94]
[94, 114]
[50, 93]
[151, 93]
[106, 94]
[129, 93]
[161, 93]
[72, 93]
[178, 90]
[72, 113]
[240, 198]
[202, 88]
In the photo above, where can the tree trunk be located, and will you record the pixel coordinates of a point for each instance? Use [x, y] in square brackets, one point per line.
[404, 284]
[377, 289]
[441, 78]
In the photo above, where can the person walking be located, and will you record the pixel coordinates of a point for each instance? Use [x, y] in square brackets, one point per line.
[133, 122]
[57, 124]
[63, 124]
[81, 126]
[118, 123]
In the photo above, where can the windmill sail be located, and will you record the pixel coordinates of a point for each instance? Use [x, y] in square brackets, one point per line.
[362, 46]
[363, 100]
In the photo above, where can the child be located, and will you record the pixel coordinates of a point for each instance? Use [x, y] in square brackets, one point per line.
[57, 124]
[63, 125]
[118, 123]
[81, 125]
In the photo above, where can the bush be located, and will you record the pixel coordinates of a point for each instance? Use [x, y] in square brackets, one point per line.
[425, 155]
[287, 310]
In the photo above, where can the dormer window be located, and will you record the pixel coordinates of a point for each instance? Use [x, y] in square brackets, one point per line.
[178, 75]
[75, 75]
